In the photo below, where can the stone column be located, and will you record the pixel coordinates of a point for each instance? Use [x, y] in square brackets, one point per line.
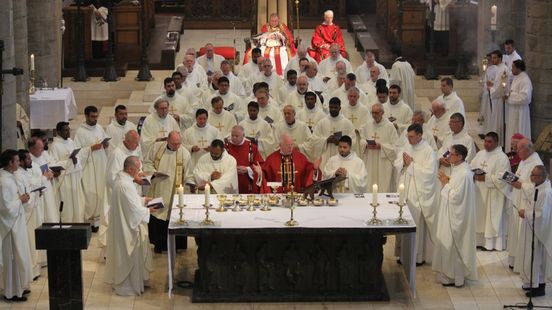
[538, 56]
[44, 22]
[21, 52]
[9, 135]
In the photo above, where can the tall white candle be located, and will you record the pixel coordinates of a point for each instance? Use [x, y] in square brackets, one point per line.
[207, 194]
[401, 194]
[180, 191]
[494, 10]
[32, 62]
[375, 194]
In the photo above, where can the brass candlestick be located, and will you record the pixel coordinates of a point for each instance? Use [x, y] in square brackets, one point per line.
[221, 199]
[375, 220]
[400, 220]
[207, 220]
[290, 202]
[32, 88]
[181, 220]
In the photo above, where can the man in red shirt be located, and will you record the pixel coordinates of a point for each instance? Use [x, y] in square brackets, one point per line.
[324, 36]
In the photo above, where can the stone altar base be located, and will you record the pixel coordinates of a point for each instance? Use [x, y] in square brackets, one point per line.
[295, 264]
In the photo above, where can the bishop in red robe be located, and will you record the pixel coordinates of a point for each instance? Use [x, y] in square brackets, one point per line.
[324, 36]
[246, 154]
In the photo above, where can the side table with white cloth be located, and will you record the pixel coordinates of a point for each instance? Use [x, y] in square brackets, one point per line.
[332, 255]
[50, 106]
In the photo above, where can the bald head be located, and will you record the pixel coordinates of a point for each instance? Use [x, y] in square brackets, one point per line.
[174, 140]
[525, 148]
[132, 140]
[237, 134]
[286, 144]
[438, 108]
[132, 165]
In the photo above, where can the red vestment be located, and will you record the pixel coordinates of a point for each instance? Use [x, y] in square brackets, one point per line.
[326, 34]
[246, 154]
[302, 174]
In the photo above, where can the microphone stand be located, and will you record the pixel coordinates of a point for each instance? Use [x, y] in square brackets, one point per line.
[60, 210]
[529, 304]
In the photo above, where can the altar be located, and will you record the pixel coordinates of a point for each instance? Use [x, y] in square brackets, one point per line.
[331, 255]
[50, 106]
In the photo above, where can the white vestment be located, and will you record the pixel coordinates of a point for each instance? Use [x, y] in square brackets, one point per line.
[68, 186]
[223, 122]
[293, 64]
[262, 132]
[491, 197]
[453, 103]
[426, 135]
[231, 102]
[247, 71]
[358, 114]
[117, 133]
[201, 137]
[317, 84]
[93, 172]
[210, 64]
[177, 165]
[226, 165]
[326, 67]
[421, 192]
[15, 259]
[271, 110]
[460, 138]
[343, 94]
[362, 73]
[497, 93]
[327, 127]
[284, 92]
[311, 117]
[379, 162]
[508, 60]
[297, 100]
[356, 173]
[485, 108]
[455, 258]
[517, 108]
[99, 27]
[300, 133]
[49, 197]
[155, 127]
[197, 76]
[236, 85]
[274, 84]
[439, 128]
[401, 112]
[402, 71]
[181, 106]
[23, 134]
[129, 258]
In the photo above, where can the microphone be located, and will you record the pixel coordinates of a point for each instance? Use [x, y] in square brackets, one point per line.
[536, 194]
[60, 210]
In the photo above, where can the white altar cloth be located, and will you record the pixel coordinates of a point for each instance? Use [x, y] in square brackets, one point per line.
[50, 106]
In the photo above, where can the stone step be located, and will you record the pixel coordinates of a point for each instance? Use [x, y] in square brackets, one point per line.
[136, 96]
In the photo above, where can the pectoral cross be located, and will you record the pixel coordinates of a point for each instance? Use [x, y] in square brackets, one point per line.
[201, 141]
[484, 165]
[310, 122]
[252, 134]
[171, 109]
[162, 131]
[375, 136]
[219, 126]
[353, 118]
[434, 129]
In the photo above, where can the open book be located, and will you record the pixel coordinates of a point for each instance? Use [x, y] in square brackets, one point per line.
[156, 203]
[478, 171]
[56, 169]
[74, 153]
[509, 177]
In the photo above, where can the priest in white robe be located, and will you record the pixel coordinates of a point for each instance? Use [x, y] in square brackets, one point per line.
[15, 257]
[297, 98]
[522, 192]
[517, 103]
[312, 113]
[67, 184]
[377, 143]
[362, 72]
[220, 118]
[157, 126]
[90, 138]
[315, 80]
[438, 123]
[210, 61]
[250, 68]
[346, 164]
[453, 103]
[218, 169]
[269, 110]
[328, 131]
[129, 259]
[342, 92]
[41, 158]
[396, 110]
[231, 102]
[541, 210]
[197, 138]
[327, 67]
[290, 86]
[485, 113]
[416, 166]
[459, 135]
[271, 78]
[258, 131]
[297, 129]
[418, 117]
[510, 54]
[180, 108]
[402, 71]
[355, 111]
[455, 258]
[236, 85]
[293, 63]
[173, 159]
[491, 195]
[196, 74]
[498, 89]
[118, 127]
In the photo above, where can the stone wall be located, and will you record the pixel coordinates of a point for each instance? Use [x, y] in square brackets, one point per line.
[9, 136]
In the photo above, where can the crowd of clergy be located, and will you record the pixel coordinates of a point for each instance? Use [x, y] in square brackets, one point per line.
[237, 132]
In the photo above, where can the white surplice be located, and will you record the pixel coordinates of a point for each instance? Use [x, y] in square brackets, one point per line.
[223, 122]
[49, 197]
[402, 71]
[326, 67]
[460, 138]
[311, 117]
[182, 106]
[201, 137]
[117, 133]
[439, 128]
[226, 165]
[453, 103]
[155, 127]
[362, 72]
[262, 132]
[327, 127]
[401, 112]
[356, 173]
[517, 108]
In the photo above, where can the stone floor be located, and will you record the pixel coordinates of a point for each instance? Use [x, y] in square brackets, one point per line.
[496, 286]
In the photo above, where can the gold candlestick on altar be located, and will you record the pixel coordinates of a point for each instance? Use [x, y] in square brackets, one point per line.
[181, 220]
[290, 202]
[400, 220]
[32, 88]
[375, 220]
[207, 221]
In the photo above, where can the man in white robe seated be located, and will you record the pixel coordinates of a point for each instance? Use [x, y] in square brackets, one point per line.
[453, 103]
[297, 129]
[220, 118]
[312, 113]
[185, 90]
[517, 103]
[90, 138]
[343, 91]
[538, 214]
[232, 102]
[170, 158]
[118, 127]
[296, 98]
[396, 110]
[402, 71]
[197, 138]
[210, 61]
[236, 85]
[354, 110]
[315, 80]
[258, 131]
[328, 131]
[363, 72]
[459, 135]
[129, 259]
[41, 158]
[416, 166]
[438, 124]
[67, 183]
[293, 63]
[491, 195]
[522, 191]
[218, 169]
[179, 107]
[290, 86]
[327, 67]
[271, 78]
[16, 254]
[418, 117]
[377, 146]
[196, 74]
[269, 110]
[346, 164]
[157, 126]
[250, 68]
[455, 258]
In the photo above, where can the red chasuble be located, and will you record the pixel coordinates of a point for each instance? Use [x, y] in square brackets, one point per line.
[289, 48]
[298, 171]
[246, 154]
[326, 34]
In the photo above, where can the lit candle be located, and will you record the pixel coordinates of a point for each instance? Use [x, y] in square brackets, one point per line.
[375, 194]
[494, 10]
[32, 62]
[180, 192]
[207, 194]
[401, 194]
